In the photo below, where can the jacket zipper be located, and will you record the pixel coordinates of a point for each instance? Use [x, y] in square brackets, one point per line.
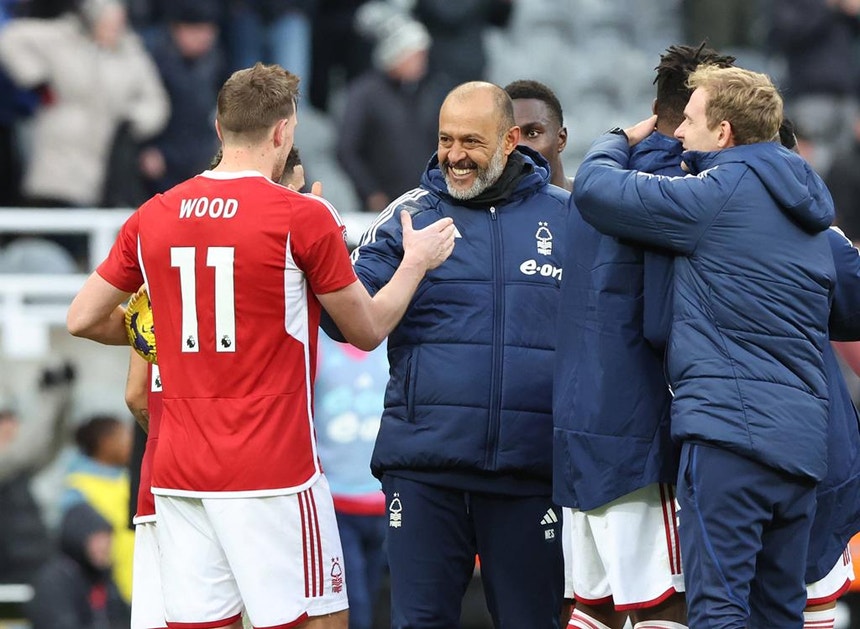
[498, 340]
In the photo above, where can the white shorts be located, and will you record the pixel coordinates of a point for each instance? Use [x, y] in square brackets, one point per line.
[147, 601]
[567, 550]
[834, 584]
[626, 552]
[282, 553]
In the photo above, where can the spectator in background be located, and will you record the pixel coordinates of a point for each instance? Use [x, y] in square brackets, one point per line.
[93, 75]
[337, 49]
[390, 120]
[844, 184]
[15, 104]
[26, 447]
[724, 24]
[191, 65]
[98, 476]
[350, 387]
[819, 39]
[457, 29]
[271, 31]
[74, 589]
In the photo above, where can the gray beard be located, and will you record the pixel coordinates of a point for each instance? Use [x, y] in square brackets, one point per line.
[486, 177]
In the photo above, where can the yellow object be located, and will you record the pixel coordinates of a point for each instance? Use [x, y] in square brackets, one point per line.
[139, 325]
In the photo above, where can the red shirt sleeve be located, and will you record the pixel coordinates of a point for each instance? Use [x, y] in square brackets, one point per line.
[320, 249]
[122, 267]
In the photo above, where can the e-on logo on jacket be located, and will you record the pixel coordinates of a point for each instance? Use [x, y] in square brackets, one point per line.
[543, 241]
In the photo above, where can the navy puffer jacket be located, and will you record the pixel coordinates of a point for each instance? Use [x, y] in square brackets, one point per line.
[611, 400]
[468, 403]
[751, 298]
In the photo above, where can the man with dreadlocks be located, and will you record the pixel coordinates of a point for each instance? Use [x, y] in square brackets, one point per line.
[614, 462]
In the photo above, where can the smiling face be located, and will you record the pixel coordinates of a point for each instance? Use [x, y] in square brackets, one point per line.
[693, 132]
[473, 146]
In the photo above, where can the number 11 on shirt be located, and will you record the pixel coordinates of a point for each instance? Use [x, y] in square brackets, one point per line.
[221, 259]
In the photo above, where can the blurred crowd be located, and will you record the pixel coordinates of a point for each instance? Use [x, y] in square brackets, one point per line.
[104, 103]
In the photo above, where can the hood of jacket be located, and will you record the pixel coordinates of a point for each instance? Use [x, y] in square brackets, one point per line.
[657, 154]
[525, 171]
[788, 178]
[79, 522]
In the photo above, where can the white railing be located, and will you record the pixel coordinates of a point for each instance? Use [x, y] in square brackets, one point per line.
[30, 305]
[100, 226]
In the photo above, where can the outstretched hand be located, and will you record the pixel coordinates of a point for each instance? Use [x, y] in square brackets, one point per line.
[641, 130]
[428, 247]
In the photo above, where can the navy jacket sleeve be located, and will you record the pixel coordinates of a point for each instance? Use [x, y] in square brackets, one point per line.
[381, 249]
[845, 310]
[668, 212]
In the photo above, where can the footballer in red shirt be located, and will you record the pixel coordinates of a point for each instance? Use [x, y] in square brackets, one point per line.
[238, 269]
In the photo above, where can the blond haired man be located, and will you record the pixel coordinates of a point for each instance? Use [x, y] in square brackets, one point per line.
[753, 275]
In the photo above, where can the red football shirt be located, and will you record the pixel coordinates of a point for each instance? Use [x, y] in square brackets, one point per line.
[232, 263]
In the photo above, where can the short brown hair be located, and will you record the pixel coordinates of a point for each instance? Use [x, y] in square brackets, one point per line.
[252, 100]
[749, 101]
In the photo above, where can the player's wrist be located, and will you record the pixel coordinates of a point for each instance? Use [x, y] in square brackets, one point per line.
[414, 263]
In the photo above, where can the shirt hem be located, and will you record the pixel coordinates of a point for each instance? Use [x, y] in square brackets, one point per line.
[236, 493]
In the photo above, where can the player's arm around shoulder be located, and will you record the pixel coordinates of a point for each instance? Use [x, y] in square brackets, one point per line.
[366, 322]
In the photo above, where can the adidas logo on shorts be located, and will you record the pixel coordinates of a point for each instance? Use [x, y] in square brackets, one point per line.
[548, 520]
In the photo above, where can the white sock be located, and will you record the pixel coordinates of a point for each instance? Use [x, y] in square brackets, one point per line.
[659, 624]
[824, 619]
[580, 620]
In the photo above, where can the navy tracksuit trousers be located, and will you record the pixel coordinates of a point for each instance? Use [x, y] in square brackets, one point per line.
[433, 536]
[744, 531]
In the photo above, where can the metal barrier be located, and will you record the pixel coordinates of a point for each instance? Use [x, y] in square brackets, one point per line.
[13, 596]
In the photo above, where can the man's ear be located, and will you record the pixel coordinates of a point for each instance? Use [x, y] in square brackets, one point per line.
[279, 132]
[726, 138]
[562, 139]
[512, 138]
[218, 131]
